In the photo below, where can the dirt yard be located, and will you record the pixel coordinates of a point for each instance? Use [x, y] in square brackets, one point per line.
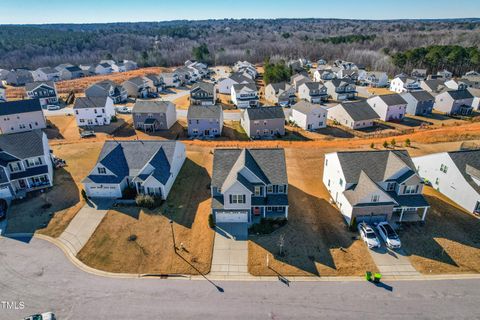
[449, 242]
[188, 206]
[182, 103]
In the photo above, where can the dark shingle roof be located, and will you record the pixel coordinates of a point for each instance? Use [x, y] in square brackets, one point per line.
[313, 85]
[204, 112]
[138, 81]
[422, 95]
[73, 69]
[359, 111]
[262, 113]
[435, 84]
[364, 187]
[20, 106]
[468, 163]
[90, 102]
[240, 86]
[460, 94]
[21, 145]
[239, 78]
[392, 99]
[151, 106]
[33, 85]
[204, 86]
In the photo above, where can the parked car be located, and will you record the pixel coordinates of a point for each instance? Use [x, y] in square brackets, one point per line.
[389, 235]
[43, 316]
[124, 109]
[87, 133]
[53, 107]
[368, 235]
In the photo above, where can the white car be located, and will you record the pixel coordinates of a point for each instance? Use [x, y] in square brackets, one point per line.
[43, 316]
[389, 235]
[123, 109]
[53, 107]
[368, 235]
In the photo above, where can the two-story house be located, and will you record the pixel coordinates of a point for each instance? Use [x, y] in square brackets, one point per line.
[389, 107]
[434, 86]
[309, 116]
[263, 122]
[224, 86]
[203, 94]
[324, 75]
[454, 102]
[404, 84]
[247, 185]
[93, 111]
[354, 115]
[420, 74]
[205, 121]
[150, 167]
[375, 186]
[46, 92]
[25, 165]
[154, 82]
[298, 79]
[419, 103]
[375, 79]
[107, 88]
[153, 115]
[245, 95]
[19, 77]
[21, 115]
[341, 89]
[46, 74]
[171, 79]
[136, 87]
[71, 72]
[104, 68]
[314, 92]
[281, 93]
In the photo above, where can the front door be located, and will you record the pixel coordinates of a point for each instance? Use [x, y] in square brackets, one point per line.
[22, 184]
[309, 127]
[477, 208]
[207, 132]
[256, 211]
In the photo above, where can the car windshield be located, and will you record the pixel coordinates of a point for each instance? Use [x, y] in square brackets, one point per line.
[390, 232]
[371, 235]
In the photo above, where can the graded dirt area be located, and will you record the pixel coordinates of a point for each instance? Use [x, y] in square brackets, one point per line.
[151, 251]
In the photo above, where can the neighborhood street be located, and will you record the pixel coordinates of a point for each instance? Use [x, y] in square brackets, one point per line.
[38, 275]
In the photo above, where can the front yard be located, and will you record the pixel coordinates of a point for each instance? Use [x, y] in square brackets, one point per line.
[140, 241]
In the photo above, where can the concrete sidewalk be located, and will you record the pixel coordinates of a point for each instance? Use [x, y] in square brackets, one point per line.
[83, 225]
[393, 263]
[230, 258]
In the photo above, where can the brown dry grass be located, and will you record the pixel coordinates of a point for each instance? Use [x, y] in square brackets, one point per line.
[379, 91]
[152, 252]
[182, 102]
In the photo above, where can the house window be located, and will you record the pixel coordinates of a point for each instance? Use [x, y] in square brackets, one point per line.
[437, 181]
[270, 189]
[410, 189]
[102, 170]
[95, 110]
[237, 198]
[375, 198]
[33, 162]
[341, 182]
[391, 186]
[103, 110]
[281, 189]
[258, 191]
[14, 167]
[269, 209]
[328, 184]
[443, 168]
[76, 111]
[326, 162]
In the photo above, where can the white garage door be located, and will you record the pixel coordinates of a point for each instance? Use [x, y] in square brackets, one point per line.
[231, 216]
[103, 191]
[5, 193]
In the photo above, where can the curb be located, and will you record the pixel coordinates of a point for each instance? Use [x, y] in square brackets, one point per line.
[83, 267]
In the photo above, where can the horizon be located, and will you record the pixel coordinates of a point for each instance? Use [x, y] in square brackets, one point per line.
[30, 12]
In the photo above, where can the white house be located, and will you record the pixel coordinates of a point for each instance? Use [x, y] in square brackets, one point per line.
[390, 107]
[150, 167]
[46, 74]
[21, 116]
[3, 93]
[224, 86]
[354, 115]
[103, 68]
[404, 84]
[93, 111]
[375, 186]
[454, 102]
[377, 79]
[171, 79]
[245, 95]
[454, 174]
[309, 116]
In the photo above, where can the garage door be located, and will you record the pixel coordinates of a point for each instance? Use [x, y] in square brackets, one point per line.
[231, 216]
[371, 219]
[103, 191]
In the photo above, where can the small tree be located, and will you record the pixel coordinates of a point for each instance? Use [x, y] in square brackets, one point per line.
[408, 143]
[372, 145]
[385, 144]
[393, 143]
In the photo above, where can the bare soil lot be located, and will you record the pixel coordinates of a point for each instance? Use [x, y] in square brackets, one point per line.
[188, 206]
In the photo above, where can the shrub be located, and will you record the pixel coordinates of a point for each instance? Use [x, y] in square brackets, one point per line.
[129, 193]
[353, 224]
[408, 143]
[132, 237]
[385, 144]
[84, 195]
[211, 223]
[393, 142]
[147, 201]
[114, 119]
[372, 145]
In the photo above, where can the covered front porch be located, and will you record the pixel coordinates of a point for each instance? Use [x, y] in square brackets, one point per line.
[409, 214]
[150, 125]
[268, 212]
[24, 185]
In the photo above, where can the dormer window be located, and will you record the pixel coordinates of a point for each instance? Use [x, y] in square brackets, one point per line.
[391, 186]
[102, 170]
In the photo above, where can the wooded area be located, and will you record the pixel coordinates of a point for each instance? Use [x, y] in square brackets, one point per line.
[370, 43]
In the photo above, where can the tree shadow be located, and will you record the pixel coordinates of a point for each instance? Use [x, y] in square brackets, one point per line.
[191, 188]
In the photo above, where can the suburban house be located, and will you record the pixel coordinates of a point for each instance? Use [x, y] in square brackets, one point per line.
[3, 93]
[309, 116]
[205, 121]
[107, 88]
[186, 75]
[472, 79]
[281, 93]
[434, 86]
[323, 75]
[404, 84]
[26, 164]
[454, 174]
[352, 74]
[454, 102]
[71, 72]
[136, 87]
[3, 74]
[130, 65]
[103, 68]
[474, 92]
[46, 74]
[46, 92]
[21, 115]
[245, 95]
[153, 115]
[419, 103]
[93, 111]
[19, 77]
[297, 79]
[248, 185]
[314, 92]
[263, 122]
[119, 67]
[88, 70]
[390, 107]
[376, 79]
[420, 74]
[246, 68]
[346, 65]
[375, 186]
[203, 94]
[224, 86]
[150, 167]
[444, 74]
[171, 80]
[354, 115]
[341, 89]
[154, 82]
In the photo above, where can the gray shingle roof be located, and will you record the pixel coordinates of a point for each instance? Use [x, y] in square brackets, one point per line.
[20, 106]
[138, 81]
[22, 145]
[422, 95]
[267, 164]
[263, 113]
[460, 94]
[468, 163]
[204, 112]
[204, 86]
[239, 78]
[306, 107]
[435, 84]
[240, 86]
[314, 85]
[33, 85]
[364, 187]
[152, 106]
[359, 111]
[90, 102]
[392, 99]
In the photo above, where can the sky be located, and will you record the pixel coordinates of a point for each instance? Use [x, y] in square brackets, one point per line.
[99, 11]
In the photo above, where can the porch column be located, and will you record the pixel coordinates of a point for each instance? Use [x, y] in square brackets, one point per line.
[401, 215]
[264, 212]
[286, 212]
[424, 213]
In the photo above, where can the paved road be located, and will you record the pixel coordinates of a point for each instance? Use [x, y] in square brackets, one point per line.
[39, 275]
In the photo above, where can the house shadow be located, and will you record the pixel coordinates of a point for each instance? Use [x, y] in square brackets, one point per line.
[130, 211]
[234, 132]
[52, 131]
[314, 228]
[335, 132]
[413, 122]
[443, 221]
[177, 131]
[111, 128]
[124, 131]
[35, 211]
[295, 134]
[190, 189]
[376, 128]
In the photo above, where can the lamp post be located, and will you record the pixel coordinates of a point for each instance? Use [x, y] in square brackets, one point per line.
[173, 236]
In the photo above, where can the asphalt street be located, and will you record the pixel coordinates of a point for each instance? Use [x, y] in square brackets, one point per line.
[38, 275]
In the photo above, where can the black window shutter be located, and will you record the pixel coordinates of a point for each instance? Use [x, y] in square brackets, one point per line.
[416, 190]
[230, 196]
[244, 199]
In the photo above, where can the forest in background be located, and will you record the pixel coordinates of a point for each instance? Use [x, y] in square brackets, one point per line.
[379, 45]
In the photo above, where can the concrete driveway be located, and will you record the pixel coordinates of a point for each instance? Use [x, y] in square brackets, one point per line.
[392, 262]
[230, 257]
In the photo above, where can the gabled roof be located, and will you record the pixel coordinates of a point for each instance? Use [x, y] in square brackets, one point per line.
[468, 163]
[106, 84]
[306, 107]
[73, 69]
[204, 86]
[21, 145]
[392, 99]
[90, 102]
[47, 70]
[459, 94]
[34, 85]
[239, 78]
[341, 82]
[204, 112]
[264, 113]
[378, 165]
[138, 81]
[152, 106]
[359, 111]
[435, 84]
[313, 85]
[364, 187]
[238, 87]
[267, 164]
[280, 86]
[20, 106]
[422, 95]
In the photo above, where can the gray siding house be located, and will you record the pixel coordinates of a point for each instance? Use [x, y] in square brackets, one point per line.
[203, 94]
[354, 115]
[19, 77]
[205, 121]
[314, 92]
[263, 122]
[341, 89]
[21, 116]
[419, 103]
[151, 116]
[248, 185]
[280, 94]
[46, 92]
[117, 93]
[454, 102]
[136, 87]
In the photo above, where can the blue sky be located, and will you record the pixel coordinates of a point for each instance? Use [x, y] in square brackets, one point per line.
[90, 11]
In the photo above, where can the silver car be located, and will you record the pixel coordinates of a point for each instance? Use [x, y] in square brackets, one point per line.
[368, 235]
